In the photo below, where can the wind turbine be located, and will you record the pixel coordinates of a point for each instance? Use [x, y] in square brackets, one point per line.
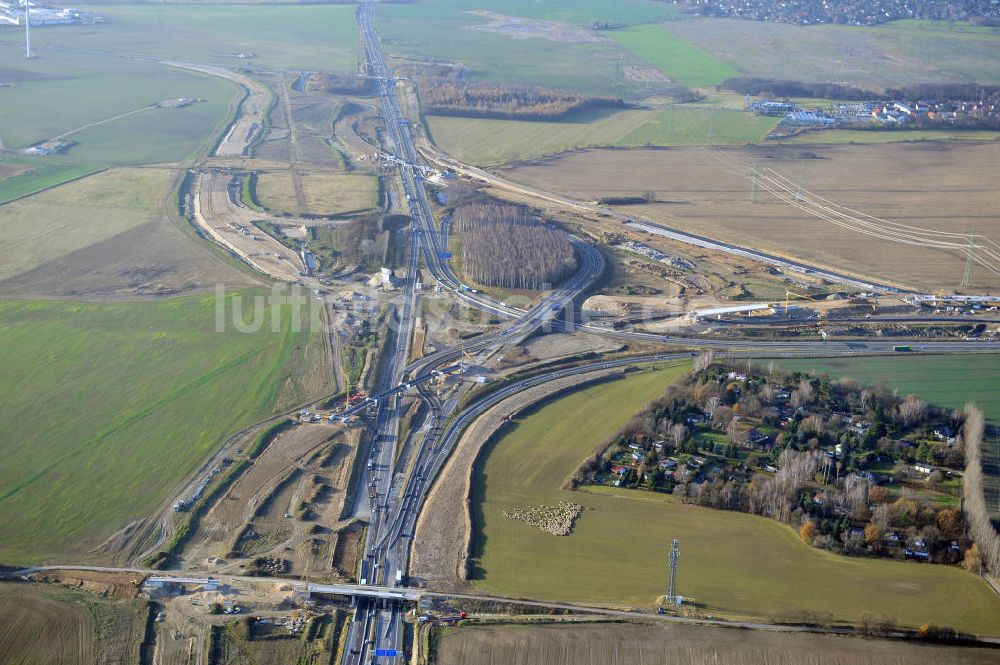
[27, 31]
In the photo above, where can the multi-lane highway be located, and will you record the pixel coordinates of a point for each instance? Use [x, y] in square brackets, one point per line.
[374, 621]
[393, 499]
[393, 512]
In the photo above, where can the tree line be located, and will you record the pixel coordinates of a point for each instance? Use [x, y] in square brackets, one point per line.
[508, 247]
[976, 512]
[751, 85]
[491, 100]
[959, 92]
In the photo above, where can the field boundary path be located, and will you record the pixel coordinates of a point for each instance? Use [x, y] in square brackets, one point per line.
[102, 122]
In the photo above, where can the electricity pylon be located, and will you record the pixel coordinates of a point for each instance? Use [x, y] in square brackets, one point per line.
[967, 277]
[675, 555]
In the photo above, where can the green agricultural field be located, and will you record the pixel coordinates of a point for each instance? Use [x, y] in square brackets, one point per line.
[948, 381]
[625, 12]
[732, 563]
[65, 91]
[955, 51]
[681, 61]
[109, 407]
[89, 74]
[487, 142]
[160, 136]
[887, 56]
[310, 37]
[693, 125]
[443, 30]
[53, 224]
[43, 173]
[491, 142]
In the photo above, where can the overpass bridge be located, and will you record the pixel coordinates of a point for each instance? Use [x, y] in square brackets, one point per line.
[365, 590]
[156, 578]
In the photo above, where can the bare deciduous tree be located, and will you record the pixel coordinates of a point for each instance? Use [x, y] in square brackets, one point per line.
[678, 433]
[704, 360]
[976, 511]
[804, 394]
[912, 410]
[733, 433]
[712, 404]
[491, 100]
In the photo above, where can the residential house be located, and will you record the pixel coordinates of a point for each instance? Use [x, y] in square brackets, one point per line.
[758, 440]
[697, 461]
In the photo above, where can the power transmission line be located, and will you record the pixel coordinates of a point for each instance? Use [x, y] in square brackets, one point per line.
[967, 277]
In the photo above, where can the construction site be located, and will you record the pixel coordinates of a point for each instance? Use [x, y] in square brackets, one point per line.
[391, 469]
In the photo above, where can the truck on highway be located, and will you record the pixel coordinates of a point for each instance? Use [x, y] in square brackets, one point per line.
[399, 577]
[902, 348]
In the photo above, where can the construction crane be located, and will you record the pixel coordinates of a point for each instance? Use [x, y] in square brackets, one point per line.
[788, 296]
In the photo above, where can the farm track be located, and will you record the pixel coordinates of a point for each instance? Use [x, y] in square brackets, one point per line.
[97, 123]
[449, 595]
